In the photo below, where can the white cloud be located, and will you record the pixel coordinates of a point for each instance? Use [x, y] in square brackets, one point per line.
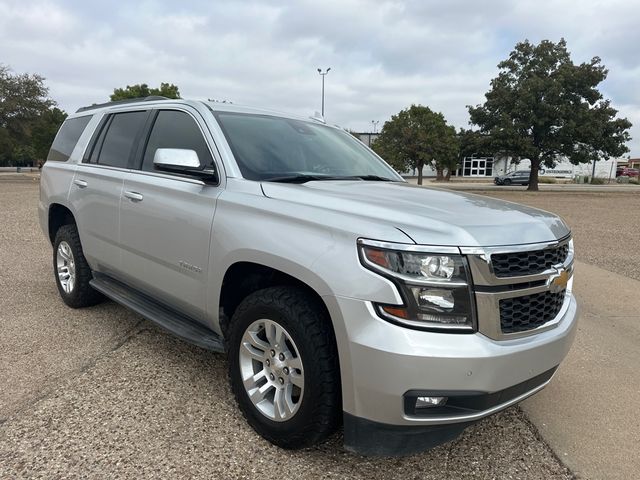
[385, 55]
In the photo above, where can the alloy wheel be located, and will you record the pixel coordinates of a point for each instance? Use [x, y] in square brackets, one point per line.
[271, 370]
[66, 267]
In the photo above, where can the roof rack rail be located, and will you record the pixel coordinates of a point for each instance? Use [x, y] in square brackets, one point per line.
[121, 102]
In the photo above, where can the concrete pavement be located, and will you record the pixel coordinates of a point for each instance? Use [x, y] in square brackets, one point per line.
[590, 413]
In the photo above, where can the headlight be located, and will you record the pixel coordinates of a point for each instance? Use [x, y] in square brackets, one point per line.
[435, 286]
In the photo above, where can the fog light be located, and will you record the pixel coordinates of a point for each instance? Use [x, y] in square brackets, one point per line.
[429, 402]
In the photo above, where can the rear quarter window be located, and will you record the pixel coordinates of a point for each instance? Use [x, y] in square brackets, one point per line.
[66, 139]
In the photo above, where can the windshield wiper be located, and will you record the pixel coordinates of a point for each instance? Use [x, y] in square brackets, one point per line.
[375, 178]
[302, 178]
[307, 177]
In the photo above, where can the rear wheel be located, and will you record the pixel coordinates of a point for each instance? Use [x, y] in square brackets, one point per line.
[283, 367]
[72, 272]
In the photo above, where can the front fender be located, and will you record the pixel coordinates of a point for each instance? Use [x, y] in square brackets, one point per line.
[297, 241]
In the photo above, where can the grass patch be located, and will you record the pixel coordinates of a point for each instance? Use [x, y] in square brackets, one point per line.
[598, 181]
[547, 180]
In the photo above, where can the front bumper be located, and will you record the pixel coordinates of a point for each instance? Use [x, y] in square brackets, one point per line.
[380, 362]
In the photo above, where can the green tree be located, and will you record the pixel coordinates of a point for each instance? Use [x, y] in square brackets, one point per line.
[44, 129]
[24, 100]
[544, 107]
[418, 136]
[142, 90]
[474, 143]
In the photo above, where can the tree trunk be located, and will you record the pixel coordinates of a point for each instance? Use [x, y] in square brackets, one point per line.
[439, 174]
[533, 179]
[447, 177]
[420, 166]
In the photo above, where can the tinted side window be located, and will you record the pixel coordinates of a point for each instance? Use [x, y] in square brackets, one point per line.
[174, 129]
[120, 138]
[96, 142]
[67, 138]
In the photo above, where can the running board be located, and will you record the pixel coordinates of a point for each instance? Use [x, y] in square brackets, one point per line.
[175, 322]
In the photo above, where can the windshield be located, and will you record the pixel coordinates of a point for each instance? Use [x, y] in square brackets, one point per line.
[275, 148]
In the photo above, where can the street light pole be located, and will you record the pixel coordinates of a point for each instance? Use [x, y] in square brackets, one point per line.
[323, 74]
[374, 128]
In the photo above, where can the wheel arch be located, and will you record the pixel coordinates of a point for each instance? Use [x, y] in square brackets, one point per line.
[58, 216]
[244, 277]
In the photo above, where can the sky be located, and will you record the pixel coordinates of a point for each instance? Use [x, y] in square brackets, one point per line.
[384, 55]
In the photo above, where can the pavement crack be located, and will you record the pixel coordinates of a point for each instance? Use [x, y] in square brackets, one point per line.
[48, 391]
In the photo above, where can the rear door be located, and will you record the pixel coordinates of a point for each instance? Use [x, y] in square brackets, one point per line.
[166, 218]
[518, 178]
[97, 188]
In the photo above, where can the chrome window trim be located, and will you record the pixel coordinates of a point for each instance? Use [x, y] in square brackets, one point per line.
[169, 176]
[104, 167]
[141, 172]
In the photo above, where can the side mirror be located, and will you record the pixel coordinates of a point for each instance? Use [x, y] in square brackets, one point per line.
[181, 160]
[178, 158]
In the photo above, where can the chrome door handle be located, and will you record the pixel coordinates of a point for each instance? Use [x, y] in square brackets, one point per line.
[80, 183]
[135, 196]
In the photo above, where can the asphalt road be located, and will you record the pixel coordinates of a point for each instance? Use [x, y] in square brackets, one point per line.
[101, 393]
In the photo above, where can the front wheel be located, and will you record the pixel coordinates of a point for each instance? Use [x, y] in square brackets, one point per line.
[283, 367]
[506, 181]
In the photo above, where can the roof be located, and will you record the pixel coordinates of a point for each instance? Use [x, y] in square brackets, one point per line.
[214, 106]
[126, 101]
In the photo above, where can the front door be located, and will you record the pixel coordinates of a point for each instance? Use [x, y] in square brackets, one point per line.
[166, 219]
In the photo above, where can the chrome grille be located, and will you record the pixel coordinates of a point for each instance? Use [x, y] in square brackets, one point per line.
[519, 314]
[518, 264]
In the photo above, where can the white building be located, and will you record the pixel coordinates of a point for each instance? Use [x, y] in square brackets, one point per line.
[489, 167]
[492, 167]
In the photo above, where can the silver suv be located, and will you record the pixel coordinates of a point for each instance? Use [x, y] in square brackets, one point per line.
[340, 293]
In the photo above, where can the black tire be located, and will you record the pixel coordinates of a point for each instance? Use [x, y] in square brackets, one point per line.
[81, 294]
[506, 181]
[301, 315]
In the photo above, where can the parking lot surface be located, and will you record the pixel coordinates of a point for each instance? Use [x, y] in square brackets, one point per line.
[102, 393]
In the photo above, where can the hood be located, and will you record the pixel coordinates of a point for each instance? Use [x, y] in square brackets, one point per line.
[429, 216]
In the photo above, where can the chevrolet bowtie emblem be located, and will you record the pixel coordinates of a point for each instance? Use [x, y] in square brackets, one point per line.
[558, 282]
